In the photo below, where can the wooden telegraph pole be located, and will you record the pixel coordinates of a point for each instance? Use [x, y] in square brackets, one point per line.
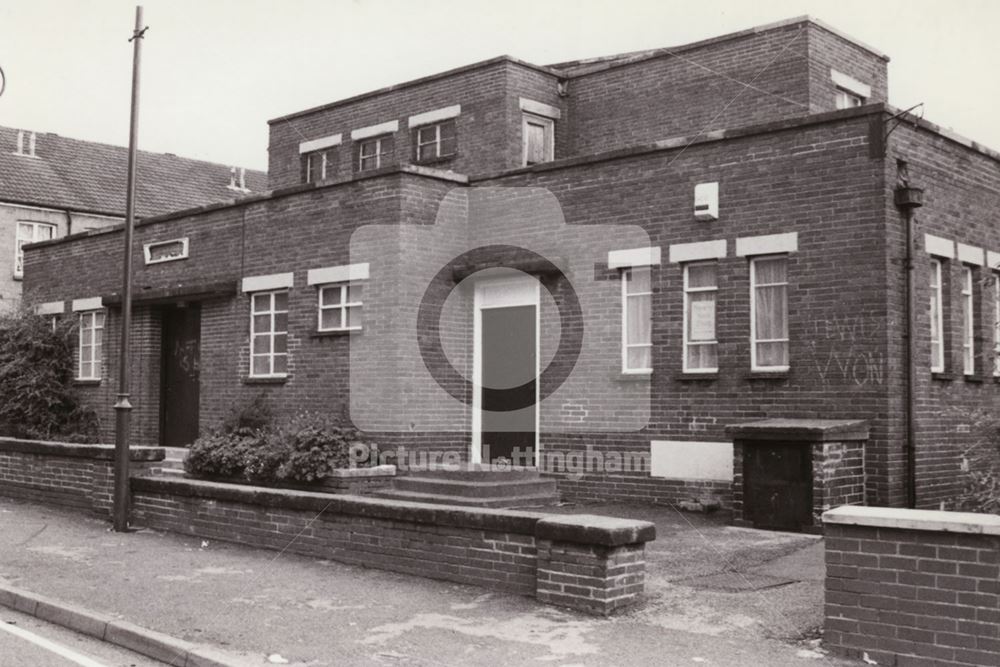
[123, 407]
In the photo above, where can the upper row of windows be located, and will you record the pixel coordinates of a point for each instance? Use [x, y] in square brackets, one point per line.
[430, 143]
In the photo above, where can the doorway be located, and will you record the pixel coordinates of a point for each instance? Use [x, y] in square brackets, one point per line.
[505, 402]
[180, 364]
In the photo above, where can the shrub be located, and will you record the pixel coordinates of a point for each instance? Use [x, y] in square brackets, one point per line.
[37, 397]
[980, 474]
[305, 449]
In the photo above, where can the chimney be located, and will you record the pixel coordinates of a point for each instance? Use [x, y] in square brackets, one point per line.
[232, 178]
[243, 179]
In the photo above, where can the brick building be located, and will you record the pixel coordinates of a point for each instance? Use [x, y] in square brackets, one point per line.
[53, 186]
[673, 242]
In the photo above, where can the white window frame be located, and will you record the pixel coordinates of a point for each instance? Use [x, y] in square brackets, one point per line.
[846, 99]
[937, 309]
[968, 321]
[688, 290]
[996, 324]
[322, 154]
[377, 155]
[549, 127]
[753, 314]
[626, 346]
[271, 333]
[342, 306]
[92, 354]
[435, 143]
[19, 242]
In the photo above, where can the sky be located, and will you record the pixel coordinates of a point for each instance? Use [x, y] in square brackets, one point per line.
[214, 71]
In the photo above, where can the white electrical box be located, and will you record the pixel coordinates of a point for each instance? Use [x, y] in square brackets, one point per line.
[706, 201]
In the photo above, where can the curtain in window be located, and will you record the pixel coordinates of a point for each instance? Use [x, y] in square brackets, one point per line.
[771, 312]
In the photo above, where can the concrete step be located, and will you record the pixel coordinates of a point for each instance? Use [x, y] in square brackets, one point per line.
[477, 472]
[535, 500]
[174, 458]
[172, 472]
[498, 487]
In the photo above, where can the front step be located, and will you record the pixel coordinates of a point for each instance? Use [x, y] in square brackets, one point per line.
[464, 488]
[542, 500]
[475, 485]
[174, 459]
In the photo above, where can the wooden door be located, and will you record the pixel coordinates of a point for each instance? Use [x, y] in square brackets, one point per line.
[777, 485]
[180, 370]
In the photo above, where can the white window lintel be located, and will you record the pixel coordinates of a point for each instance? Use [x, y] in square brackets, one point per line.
[850, 84]
[88, 303]
[387, 127]
[539, 108]
[768, 244]
[692, 252]
[320, 144]
[968, 254]
[273, 281]
[993, 260]
[621, 259]
[938, 246]
[437, 115]
[337, 274]
[51, 308]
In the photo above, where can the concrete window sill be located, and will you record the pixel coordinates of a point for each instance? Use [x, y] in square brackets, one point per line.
[87, 383]
[336, 334]
[942, 377]
[267, 380]
[697, 377]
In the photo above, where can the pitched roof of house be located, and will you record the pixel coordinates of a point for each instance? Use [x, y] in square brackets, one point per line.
[89, 176]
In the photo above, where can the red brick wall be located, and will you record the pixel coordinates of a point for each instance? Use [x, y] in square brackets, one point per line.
[828, 51]
[961, 198]
[674, 95]
[912, 597]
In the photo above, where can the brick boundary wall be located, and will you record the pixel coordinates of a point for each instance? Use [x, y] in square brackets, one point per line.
[913, 587]
[589, 563]
[67, 475]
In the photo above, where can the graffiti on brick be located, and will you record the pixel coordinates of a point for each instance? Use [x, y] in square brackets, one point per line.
[845, 349]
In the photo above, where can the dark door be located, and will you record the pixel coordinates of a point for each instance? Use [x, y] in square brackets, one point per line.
[777, 485]
[508, 400]
[179, 391]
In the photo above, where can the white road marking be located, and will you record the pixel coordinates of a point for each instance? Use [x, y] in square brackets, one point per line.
[44, 643]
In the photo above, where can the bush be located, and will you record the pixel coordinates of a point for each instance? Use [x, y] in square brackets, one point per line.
[37, 397]
[980, 474]
[250, 446]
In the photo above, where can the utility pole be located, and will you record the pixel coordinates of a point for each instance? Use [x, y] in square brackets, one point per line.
[123, 407]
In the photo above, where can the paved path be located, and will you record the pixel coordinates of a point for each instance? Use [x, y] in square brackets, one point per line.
[315, 613]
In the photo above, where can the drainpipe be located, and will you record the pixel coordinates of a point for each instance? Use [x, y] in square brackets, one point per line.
[908, 199]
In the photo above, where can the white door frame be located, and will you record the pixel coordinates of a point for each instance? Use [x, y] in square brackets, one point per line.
[500, 292]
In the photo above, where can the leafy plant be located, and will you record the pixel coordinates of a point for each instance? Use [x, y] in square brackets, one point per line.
[305, 449]
[980, 474]
[37, 397]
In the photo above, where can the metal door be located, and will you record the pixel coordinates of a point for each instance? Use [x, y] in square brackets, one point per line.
[777, 485]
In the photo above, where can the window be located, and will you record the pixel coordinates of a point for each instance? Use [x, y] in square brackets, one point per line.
[29, 232]
[435, 141]
[769, 313]
[700, 345]
[968, 322]
[848, 100]
[374, 153]
[91, 344]
[937, 318]
[637, 321]
[538, 138]
[996, 324]
[269, 334]
[340, 307]
[318, 166]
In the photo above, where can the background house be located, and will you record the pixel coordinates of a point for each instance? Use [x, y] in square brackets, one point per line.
[52, 186]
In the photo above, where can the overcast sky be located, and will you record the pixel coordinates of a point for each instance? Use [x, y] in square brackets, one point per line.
[214, 71]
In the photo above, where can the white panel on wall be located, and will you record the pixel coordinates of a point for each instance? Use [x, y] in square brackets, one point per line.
[685, 459]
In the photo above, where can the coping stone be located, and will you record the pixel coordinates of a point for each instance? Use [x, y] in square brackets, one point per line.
[593, 529]
[907, 519]
[800, 430]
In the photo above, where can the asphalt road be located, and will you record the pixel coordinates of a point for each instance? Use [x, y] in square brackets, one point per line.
[26, 641]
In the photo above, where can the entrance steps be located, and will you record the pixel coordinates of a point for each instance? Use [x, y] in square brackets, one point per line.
[173, 463]
[475, 485]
